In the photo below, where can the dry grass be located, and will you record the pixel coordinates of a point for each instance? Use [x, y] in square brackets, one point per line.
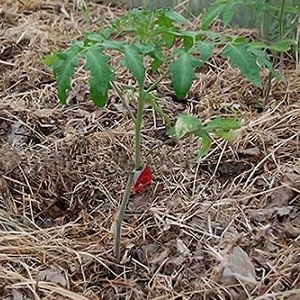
[63, 172]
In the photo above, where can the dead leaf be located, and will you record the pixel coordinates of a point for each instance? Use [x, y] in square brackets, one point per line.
[291, 231]
[55, 275]
[282, 213]
[182, 248]
[236, 265]
[294, 179]
[17, 295]
[174, 263]
[281, 197]
[251, 151]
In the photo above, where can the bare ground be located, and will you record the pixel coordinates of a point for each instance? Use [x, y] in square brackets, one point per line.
[225, 227]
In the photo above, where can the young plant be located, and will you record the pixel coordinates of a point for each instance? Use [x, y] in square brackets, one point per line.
[279, 29]
[158, 43]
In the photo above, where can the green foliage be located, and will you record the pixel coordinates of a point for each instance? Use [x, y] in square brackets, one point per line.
[280, 33]
[64, 65]
[283, 15]
[227, 129]
[101, 75]
[134, 61]
[183, 73]
[158, 44]
[151, 34]
[242, 58]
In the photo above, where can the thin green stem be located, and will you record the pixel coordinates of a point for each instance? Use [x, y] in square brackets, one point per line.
[137, 164]
[280, 20]
[119, 219]
[157, 82]
[138, 127]
[119, 92]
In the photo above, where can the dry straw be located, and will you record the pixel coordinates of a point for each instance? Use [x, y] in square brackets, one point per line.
[63, 172]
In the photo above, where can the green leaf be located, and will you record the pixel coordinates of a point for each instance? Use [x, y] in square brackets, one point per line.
[188, 42]
[206, 50]
[64, 69]
[114, 45]
[175, 16]
[241, 58]
[50, 60]
[227, 13]
[182, 71]
[169, 39]
[101, 75]
[135, 63]
[185, 125]
[171, 131]
[93, 37]
[257, 44]
[223, 123]
[282, 45]
[155, 64]
[205, 142]
[263, 61]
[211, 14]
[259, 6]
[229, 135]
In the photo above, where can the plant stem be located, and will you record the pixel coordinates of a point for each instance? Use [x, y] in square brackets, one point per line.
[137, 164]
[156, 83]
[120, 94]
[119, 219]
[280, 20]
[138, 127]
[268, 90]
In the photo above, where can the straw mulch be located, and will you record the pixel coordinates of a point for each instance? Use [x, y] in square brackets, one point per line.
[224, 227]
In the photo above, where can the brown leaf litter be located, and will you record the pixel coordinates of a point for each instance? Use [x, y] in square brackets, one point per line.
[224, 227]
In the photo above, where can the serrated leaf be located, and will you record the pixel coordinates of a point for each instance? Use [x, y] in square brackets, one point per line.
[205, 142]
[212, 14]
[169, 39]
[229, 135]
[182, 71]
[206, 50]
[242, 59]
[114, 45]
[50, 60]
[64, 69]
[282, 45]
[171, 131]
[257, 44]
[263, 61]
[155, 64]
[227, 13]
[185, 125]
[188, 42]
[176, 17]
[101, 75]
[223, 123]
[135, 63]
[239, 40]
[146, 49]
[93, 37]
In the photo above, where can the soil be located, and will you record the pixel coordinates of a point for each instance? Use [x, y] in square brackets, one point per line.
[223, 227]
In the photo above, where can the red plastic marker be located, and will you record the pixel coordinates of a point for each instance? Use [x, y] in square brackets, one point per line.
[142, 180]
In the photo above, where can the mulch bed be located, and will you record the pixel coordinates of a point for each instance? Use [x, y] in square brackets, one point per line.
[223, 227]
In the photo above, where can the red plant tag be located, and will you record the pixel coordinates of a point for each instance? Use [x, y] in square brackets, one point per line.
[142, 180]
